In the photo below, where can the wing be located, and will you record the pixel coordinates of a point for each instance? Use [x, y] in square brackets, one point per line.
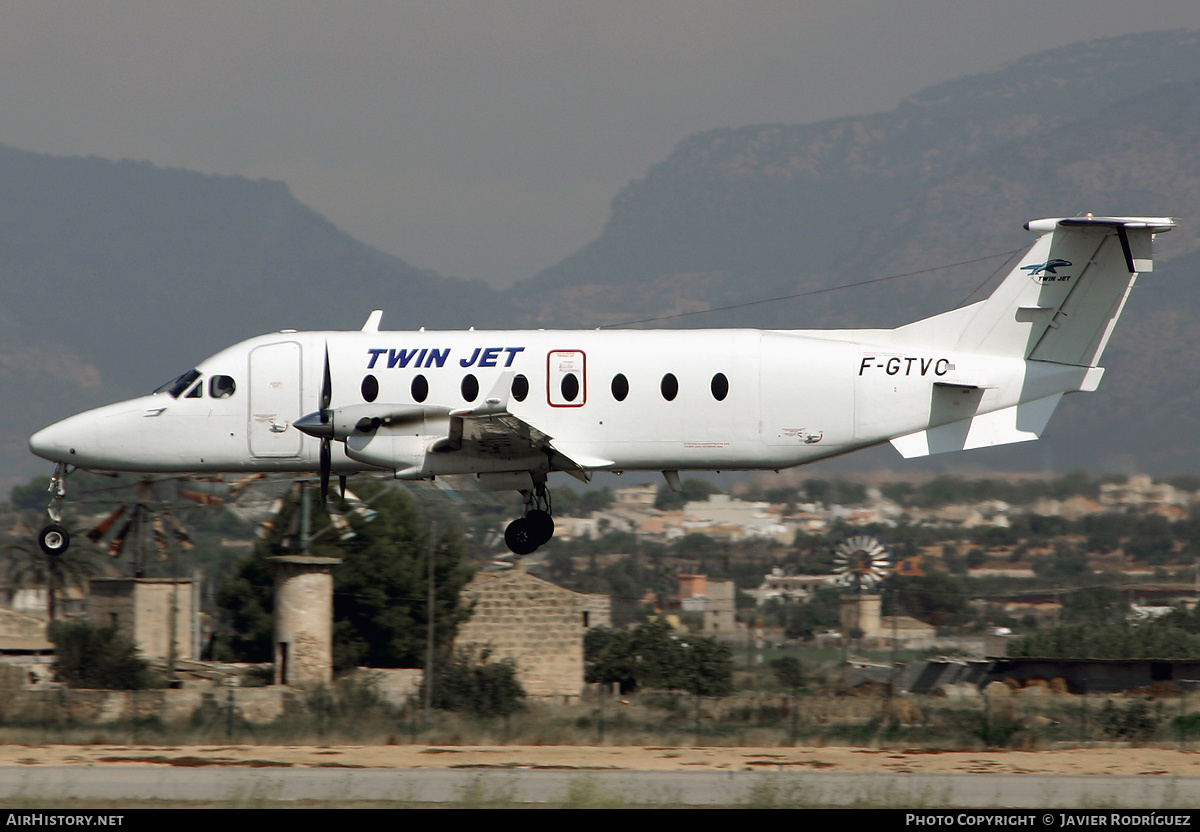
[397, 436]
[489, 431]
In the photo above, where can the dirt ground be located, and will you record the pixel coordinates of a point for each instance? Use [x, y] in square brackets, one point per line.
[1161, 761]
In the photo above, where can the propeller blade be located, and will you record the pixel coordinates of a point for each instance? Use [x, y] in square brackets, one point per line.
[326, 388]
[326, 415]
[326, 468]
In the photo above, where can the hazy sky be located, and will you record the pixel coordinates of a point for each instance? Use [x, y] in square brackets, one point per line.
[486, 139]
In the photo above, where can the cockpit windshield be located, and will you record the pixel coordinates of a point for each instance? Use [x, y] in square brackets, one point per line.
[177, 385]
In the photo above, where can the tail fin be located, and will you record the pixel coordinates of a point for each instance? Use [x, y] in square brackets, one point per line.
[1056, 310]
[1061, 302]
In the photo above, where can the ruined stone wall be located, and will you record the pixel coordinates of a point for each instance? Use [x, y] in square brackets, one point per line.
[533, 622]
[254, 705]
[141, 609]
[18, 625]
[597, 610]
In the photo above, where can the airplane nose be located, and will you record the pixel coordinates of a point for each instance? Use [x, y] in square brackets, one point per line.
[53, 443]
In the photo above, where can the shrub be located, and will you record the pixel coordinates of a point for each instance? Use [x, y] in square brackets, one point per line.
[1135, 722]
[92, 656]
[481, 688]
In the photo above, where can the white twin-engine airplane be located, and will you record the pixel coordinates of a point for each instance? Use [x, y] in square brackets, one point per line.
[511, 407]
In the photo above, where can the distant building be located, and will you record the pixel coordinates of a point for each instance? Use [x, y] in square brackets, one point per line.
[793, 587]
[148, 611]
[537, 624]
[637, 496]
[735, 519]
[861, 613]
[715, 600]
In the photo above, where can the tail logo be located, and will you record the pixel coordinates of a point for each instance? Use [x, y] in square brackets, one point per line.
[1048, 272]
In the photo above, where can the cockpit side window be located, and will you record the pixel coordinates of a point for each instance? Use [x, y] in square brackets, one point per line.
[221, 387]
[177, 385]
[196, 392]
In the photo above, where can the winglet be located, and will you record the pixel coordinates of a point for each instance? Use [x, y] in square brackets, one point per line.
[372, 324]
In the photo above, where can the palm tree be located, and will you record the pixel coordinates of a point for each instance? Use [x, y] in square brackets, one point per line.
[29, 566]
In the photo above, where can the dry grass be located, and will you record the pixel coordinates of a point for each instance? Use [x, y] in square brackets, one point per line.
[774, 720]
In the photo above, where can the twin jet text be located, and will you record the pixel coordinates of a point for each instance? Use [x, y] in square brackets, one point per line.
[426, 357]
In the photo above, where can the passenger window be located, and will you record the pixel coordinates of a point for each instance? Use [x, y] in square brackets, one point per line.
[520, 388]
[420, 389]
[570, 387]
[620, 387]
[370, 388]
[470, 388]
[720, 387]
[221, 387]
[669, 387]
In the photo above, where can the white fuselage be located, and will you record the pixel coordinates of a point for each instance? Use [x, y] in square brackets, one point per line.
[787, 397]
[525, 403]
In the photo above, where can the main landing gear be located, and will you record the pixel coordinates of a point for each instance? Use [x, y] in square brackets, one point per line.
[53, 539]
[525, 534]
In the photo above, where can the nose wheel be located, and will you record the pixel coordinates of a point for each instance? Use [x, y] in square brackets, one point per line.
[53, 539]
[525, 534]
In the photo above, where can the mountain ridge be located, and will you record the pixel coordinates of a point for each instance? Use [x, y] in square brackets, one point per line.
[95, 250]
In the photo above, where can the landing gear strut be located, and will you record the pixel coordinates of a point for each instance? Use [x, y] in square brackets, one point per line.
[53, 539]
[525, 534]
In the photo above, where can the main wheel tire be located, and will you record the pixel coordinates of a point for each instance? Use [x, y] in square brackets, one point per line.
[520, 537]
[542, 525]
[54, 539]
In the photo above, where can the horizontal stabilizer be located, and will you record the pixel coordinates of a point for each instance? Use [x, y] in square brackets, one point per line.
[1019, 423]
[1061, 301]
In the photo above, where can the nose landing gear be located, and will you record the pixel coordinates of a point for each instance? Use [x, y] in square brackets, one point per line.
[525, 534]
[53, 539]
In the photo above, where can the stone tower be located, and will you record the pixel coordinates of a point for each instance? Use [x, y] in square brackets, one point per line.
[303, 620]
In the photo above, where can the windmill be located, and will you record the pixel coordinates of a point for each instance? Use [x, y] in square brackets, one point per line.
[145, 524]
[861, 563]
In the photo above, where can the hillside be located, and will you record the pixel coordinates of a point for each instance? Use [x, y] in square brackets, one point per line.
[119, 275]
[770, 210]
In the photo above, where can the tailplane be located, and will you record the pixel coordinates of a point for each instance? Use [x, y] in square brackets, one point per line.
[1062, 300]
[1056, 311]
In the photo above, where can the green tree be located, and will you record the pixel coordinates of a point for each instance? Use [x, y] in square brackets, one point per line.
[1094, 605]
[91, 656]
[649, 656]
[817, 614]
[789, 672]
[705, 667]
[1067, 562]
[380, 588]
[34, 494]
[571, 503]
[248, 599]
[1152, 640]
[1151, 539]
[936, 598]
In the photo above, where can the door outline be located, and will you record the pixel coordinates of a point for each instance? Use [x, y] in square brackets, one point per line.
[559, 364]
